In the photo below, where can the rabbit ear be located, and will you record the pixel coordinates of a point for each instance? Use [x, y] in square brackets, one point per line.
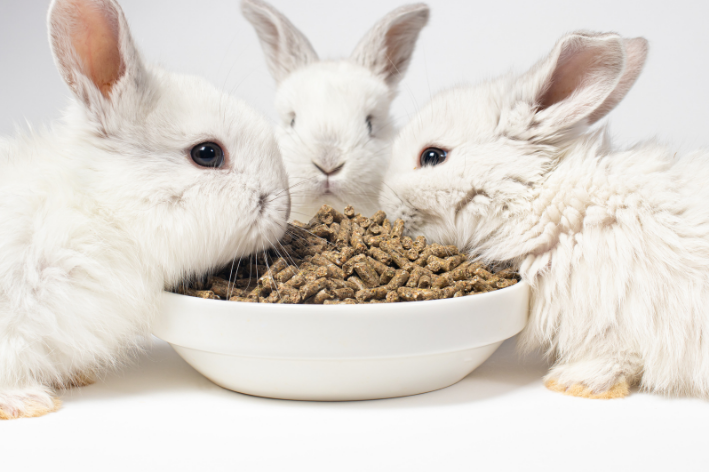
[584, 78]
[635, 55]
[387, 48]
[93, 49]
[285, 47]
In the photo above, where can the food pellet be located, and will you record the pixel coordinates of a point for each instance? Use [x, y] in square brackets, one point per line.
[286, 274]
[378, 217]
[414, 277]
[416, 294]
[321, 296]
[368, 275]
[397, 229]
[202, 294]
[344, 293]
[399, 280]
[311, 288]
[380, 255]
[357, 283]
[392, 297]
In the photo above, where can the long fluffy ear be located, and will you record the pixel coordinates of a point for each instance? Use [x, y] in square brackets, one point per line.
[584, 78]
[93, 49]
[285, 47]
[635, 55]
[387, 48]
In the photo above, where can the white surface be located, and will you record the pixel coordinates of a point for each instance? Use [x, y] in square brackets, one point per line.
[161, 415]
[326, 352]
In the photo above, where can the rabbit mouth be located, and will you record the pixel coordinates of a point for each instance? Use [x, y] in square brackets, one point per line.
[328, 188]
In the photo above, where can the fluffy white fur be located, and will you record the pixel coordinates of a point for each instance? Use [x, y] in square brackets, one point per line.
[335, 130]
[104, 211]
[614, 243]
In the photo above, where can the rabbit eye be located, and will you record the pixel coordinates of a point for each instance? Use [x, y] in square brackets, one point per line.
[369, 124]
[433, 156]
[208, 155]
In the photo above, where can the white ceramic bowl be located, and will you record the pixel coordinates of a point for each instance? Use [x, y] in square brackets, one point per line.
[340, 352]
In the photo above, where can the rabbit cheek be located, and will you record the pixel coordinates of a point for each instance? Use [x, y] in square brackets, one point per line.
[464, 204]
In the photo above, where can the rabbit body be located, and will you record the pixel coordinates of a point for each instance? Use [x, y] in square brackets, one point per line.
[615, 244]
[76, 290]
[104, 211]
[335, 128]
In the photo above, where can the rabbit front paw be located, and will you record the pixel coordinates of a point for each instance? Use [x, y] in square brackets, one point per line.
[619, 390]
[27, 403]
[595, 379]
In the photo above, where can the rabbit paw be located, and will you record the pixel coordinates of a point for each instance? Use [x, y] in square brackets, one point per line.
[619, 390]
[27, 403]
[596, 378]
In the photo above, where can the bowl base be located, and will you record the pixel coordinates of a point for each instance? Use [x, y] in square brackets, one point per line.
[336, 380]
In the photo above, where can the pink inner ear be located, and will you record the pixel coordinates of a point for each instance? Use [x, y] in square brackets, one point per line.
[95, 40]
[635, 54]
[396, 39]
[573, 68]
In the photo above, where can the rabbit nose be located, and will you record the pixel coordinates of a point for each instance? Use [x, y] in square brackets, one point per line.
[330, 171]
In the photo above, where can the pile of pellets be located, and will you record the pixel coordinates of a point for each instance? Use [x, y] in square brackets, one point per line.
[347, 258]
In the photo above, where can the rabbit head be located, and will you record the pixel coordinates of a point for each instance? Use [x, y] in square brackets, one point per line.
[335, 129]
[473, 159]
[193, 175]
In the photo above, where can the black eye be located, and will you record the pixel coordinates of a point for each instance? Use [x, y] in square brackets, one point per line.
[369, 124]
[208, 155]
[292, 122]
[433, 156]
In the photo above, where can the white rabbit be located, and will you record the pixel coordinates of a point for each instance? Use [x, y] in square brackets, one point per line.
[335, 130]
[614, 243]
[150, 177]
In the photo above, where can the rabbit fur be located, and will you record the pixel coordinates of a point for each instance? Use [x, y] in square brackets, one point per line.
[615, 243]
[335, 130]
[106, 209]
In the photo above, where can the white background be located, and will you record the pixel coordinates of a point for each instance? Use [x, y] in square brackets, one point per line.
[161, 415]
[465, 41]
